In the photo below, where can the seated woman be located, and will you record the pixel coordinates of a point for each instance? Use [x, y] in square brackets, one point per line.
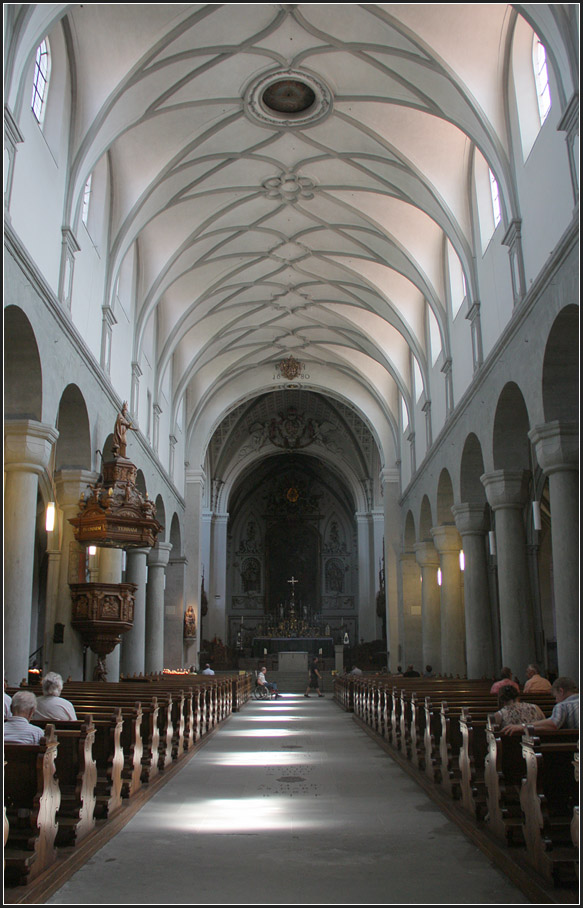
[51, 705]
[512, 712]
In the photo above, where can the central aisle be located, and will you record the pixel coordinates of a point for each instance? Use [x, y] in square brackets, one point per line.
[289, 803]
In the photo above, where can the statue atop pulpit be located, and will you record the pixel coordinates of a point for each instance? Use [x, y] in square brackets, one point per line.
[122, 424]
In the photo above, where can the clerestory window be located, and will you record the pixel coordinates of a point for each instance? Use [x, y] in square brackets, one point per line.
[40, 85]
[541, 76]
[86, 200]
[495, 193]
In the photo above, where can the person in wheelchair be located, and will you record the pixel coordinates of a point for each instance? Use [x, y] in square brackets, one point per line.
[261, 680]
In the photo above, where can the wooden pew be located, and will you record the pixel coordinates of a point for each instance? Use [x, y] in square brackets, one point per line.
[504, 770]
[77, 776]
[32, 799]
[547, 796]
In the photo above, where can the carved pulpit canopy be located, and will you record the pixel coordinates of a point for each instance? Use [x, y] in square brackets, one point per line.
[113, 513]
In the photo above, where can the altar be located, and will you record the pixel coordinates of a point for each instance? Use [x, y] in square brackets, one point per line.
[314, 646]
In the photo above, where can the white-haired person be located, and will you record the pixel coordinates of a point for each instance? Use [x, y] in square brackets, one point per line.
[17, 727]
[51, 705]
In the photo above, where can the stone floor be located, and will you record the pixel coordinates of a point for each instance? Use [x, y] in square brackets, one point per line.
[290, 802]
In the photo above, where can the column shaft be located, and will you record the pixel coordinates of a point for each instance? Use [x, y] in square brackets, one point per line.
[428, 560]
[133, 644]
[157, 561]
[453, 631]
[471, 525]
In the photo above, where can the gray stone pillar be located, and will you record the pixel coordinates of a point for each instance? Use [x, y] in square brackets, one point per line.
[391, 488]
[133, 643]
[366, 598]
[195, 480]
[412, 611]
[470, 520]
[174, 612]
[506, 491]
[453, 629]
[67, 657]
[216, 620]
[110, 571]
[157, 561]
[556, 446]
[428, 560]
[27, 451]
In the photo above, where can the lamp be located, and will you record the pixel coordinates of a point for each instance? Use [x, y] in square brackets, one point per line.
[536, 515]
[50, 517]
[492, 542]
[462, 560]
[439, 576]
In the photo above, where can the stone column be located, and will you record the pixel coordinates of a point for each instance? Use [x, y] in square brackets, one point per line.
[133, 643]
[428, 561]
[412, 611]
[67, 657]
[453, 630]
[391, 488]
[174, 612]
[378, 529]
[195, 480]
[366, 598]
[216, 620]
[157, 561]
[470, 520]
[110, 571]
[27, 451]
[556, 446]
[506, 491]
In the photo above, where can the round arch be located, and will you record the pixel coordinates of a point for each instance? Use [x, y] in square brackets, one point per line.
[73, 448]
[444, 498]
[471, 468]
[560, 374]
[510, 444]
[23, 396]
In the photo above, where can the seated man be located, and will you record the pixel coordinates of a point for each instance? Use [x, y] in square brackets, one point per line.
[207, 670]
[17, 727]
[51, 705]
[535, 684]
[268, 684]
[565, 713]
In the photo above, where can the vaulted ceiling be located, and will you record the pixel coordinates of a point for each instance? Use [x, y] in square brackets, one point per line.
[308, 221]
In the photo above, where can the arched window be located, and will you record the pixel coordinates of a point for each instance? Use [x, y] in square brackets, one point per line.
[541, 77]
[86, 200]
[40, 85]
[494, 191]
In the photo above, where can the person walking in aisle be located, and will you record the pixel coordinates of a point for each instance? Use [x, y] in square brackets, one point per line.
[315, 678]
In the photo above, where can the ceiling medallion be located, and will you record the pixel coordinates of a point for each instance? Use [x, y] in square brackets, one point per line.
[287, 98]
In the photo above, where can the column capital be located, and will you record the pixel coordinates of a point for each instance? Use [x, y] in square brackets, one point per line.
[446, 539]
[135, 551]
[426, 554]
[28, 445]
[195, 477]
[506, 488]
[160, 554]
[556, 445]
[388, 475]
[470, 519]
[71, 483]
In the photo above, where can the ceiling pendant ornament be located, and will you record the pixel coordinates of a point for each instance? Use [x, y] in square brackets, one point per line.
[286, 98]
[288, 187]
[290, 368]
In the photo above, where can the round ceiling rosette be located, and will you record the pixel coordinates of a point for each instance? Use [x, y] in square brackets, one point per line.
[287, 98]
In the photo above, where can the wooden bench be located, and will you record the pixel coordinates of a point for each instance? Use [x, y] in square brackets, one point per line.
[31, 799]
[548, 795]
[77, 776]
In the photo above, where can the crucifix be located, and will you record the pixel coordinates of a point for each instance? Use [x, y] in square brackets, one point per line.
[293, 582]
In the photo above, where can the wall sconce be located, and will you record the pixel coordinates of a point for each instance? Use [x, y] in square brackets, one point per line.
[492, 542]
[92, 550]
[462, 560]
[439, 576]
[50, 517]
[536, 515]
